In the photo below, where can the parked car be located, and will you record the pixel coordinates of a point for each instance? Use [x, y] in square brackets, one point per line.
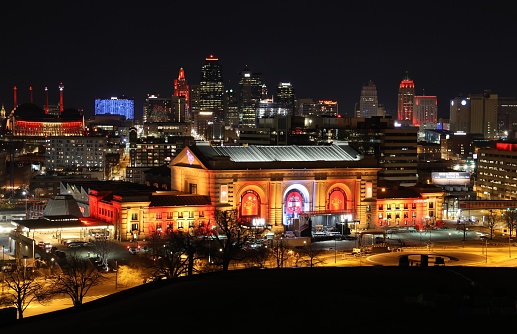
[60, 254]
[7, 267]
[77, 244]
[133, 250]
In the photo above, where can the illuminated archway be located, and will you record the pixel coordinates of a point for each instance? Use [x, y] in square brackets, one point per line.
[249, 205]
[337, 200]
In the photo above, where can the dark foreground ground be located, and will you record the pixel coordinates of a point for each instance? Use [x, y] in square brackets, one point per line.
[324, 299]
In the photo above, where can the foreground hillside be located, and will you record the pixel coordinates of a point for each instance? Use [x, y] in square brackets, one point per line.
[326, 298]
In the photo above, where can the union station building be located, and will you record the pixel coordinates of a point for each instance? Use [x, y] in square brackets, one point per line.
[301, 188]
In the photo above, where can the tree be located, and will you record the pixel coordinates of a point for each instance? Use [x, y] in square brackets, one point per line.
[23, 288]
[510, 219]
[104, 248]
[229, 235]
[280, 252]
[310, 255]
[78, 276]
[171, 260]
[491, 220]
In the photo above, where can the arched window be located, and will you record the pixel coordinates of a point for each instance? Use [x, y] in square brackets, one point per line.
[250, 204]
[337, 200]
[294, 202]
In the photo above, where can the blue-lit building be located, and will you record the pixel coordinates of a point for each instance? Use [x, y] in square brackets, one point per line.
[115, 106]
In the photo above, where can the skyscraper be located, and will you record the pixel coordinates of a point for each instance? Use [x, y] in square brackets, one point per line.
[425, 112]
[285, 98]
[369, 103]
[406, 99]
[182, 89]
[211, 89]
[249, 96]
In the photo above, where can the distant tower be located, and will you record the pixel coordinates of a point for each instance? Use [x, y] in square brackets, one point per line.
[181, 87]
[286, 98]
[30, 92]
[15, 99]
[61, 106]
[211, 89]
[406, 99]
[248, 97]
[368, 103]
[46, 100]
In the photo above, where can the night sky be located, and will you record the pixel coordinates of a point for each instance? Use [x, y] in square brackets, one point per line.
[326, 50]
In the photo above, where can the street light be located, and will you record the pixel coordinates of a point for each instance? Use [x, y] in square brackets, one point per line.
[26, 193]
[509, 244]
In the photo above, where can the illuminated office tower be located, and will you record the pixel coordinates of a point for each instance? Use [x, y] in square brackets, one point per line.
[115, 106]
[286, 98]
[369, 103]
[406, 99]
[232, 109]
[425, 112]
[475, 113]
[182, 89]
[249, 96]
[211, 89]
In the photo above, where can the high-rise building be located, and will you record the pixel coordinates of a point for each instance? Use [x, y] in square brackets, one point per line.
[156, 108]
[211, 89]
[406, 99]
[425, 112]
[232, 109]
[328, 108]
[182, 89]
[476, 113]
[368, 102]
[285, 97]
[249, 96]
[398, 156]
[116, 106]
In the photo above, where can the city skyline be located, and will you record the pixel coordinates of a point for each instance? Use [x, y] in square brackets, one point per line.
[324, 52]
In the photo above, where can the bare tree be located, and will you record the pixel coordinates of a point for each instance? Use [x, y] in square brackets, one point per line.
[230, 236]
[257, 257]
[510, 219]
[78, 276]
[280, 252]
[171, 260]
[103, 249]
[23, 289]
[310, 255]
[491, 221]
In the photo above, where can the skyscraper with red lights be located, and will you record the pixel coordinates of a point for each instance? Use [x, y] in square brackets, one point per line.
[406, 99]
[181, 87]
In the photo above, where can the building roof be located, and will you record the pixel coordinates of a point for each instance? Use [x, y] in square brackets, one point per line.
[178, 199]
[60, 205]
[253, 153]
[398, 192]
[60, 222]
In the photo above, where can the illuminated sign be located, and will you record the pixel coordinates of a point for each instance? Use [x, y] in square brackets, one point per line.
[294, 203]
[224, 193]
[190, 157]
[250, 205]
[450, 178]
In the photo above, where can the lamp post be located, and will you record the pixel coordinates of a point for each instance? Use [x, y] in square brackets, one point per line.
[510, 244]
[486, 250]
[335, 249]
[116, 274]
[25, 193]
